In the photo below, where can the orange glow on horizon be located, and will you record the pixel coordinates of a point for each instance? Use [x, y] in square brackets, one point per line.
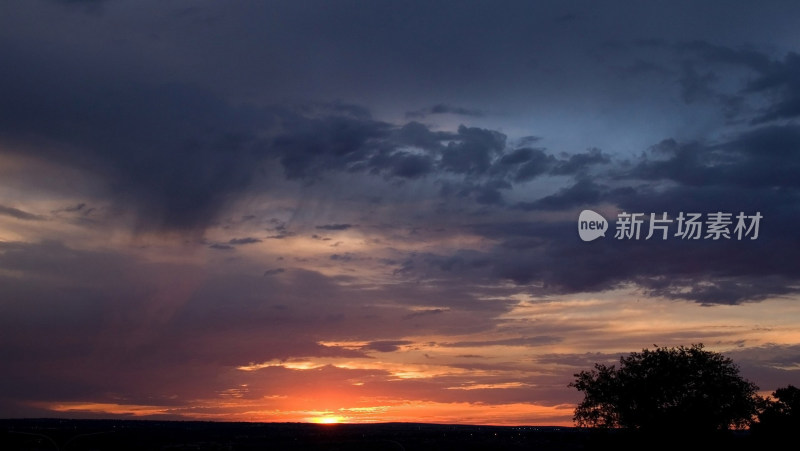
[513, 414]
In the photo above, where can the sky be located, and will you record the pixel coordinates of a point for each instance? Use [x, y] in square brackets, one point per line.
[351, 211]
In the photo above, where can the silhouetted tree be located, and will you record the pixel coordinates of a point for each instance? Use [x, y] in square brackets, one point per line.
[664, 388]
[781, 413]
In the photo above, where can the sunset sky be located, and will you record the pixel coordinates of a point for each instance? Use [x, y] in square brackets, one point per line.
[341, 211]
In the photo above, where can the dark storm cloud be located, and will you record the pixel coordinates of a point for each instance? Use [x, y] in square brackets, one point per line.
[750, 58]
[583, 192]
[775, 79]
[752, 171]
[474, 152]
[311, 147]
[578, 163]
[532, 163]
[172, 153]
[315, 145]
[764, 157]
[696, 87]
[418, 135]
[520, 156]
[781, 78]
[403, 164]
[526, 163]
[548, 257]
[347, 144]
[554, 260]
[177, 155]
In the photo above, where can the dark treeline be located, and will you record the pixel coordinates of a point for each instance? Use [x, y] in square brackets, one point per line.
[125, 435]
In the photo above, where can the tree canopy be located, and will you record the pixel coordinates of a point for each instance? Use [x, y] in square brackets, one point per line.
[781, 412]
[683, 387]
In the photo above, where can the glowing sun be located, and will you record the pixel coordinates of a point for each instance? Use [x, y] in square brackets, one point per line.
[328, 420]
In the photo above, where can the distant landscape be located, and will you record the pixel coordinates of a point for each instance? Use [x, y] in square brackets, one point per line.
[52, 434]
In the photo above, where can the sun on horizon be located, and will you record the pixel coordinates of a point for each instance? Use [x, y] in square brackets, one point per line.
[328, 419]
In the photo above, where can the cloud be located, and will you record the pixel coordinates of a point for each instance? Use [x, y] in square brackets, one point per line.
[583, 192]
[749, 172]
[314, 145]
[386, 345]
[334, 226]
[531, 163]
[18, 214]
[443, 109]
[172, 153]
[473, 152]
[425, 312]
[275, 271]
[403, 164]
[343, 257]
[416, 134]
[696, 87]
[526, 163]
[580, 162]
[724, 274]
[245, 240]
[73, 208]
[177, 156]
[776, 80]
[330, 144]
[280, 231]
[521, 341]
